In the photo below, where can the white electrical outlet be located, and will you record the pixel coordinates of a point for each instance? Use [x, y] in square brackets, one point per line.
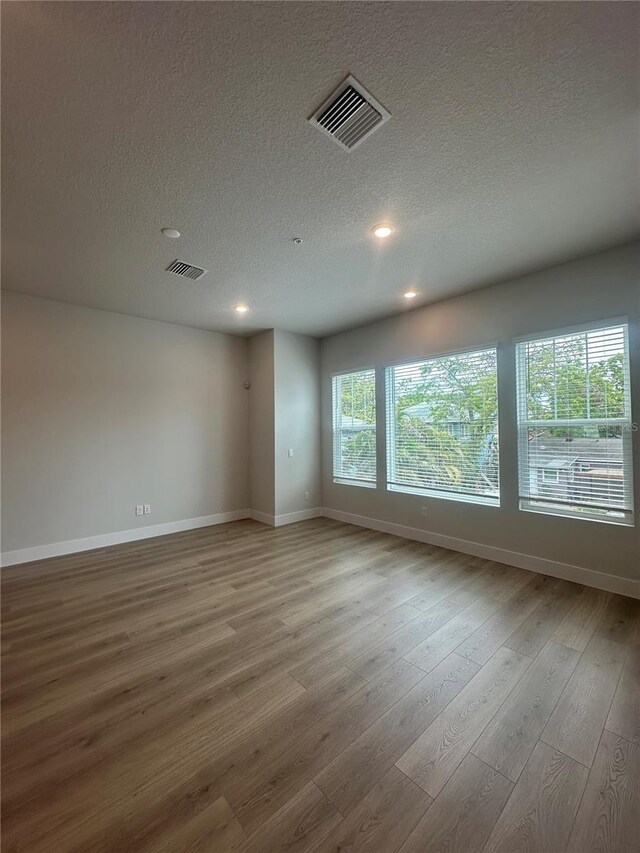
[147, 509]
[423, 511]
[290, 453]
[139, 509]
[307, 496]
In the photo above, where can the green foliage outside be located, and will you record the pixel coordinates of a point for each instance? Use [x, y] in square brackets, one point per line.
[359, 454]
[454, 445]
[562, 386]
[358, 396]
[428, 454]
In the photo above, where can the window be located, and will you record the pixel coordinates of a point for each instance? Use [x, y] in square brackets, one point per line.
[442, 427]
[354, 428]
[574, 424]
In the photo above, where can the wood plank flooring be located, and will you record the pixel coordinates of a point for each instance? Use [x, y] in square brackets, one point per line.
[315, 687]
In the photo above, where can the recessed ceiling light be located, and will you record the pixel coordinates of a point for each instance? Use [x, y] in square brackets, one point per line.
[171, 232]
[241, 309]
[383, 230]
[410, 294]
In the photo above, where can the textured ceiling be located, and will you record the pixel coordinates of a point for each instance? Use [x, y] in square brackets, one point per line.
[512, 146]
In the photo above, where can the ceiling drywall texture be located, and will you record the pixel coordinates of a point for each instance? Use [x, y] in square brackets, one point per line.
[512, 146]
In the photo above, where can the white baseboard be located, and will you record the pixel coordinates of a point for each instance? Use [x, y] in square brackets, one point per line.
[301, 515]
[287, 517]
[104, 540]
[263, 517]
[587, 577]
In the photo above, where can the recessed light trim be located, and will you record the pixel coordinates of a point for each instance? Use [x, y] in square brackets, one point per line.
[410, 294]
[241, 308]
[382, 230]
[171, 232]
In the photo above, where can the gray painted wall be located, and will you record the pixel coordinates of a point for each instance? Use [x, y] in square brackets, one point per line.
[603, 286]
[262, 423]
[297, 422]
[102, 411]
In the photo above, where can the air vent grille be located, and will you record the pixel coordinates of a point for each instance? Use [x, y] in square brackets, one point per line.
[186, 270]
[349, 115]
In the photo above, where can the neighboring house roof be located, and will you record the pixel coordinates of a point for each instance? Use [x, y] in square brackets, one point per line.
[542, 460]
[423, 411]
[420, 410]
[602, 474]
[347, 422]
[547, 452]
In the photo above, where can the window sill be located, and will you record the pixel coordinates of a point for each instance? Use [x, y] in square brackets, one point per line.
[363, 484]
[525, 506]
[482, 500]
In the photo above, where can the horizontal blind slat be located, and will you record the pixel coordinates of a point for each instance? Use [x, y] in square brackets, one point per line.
[442, 425]
[354, 426]
[574, 421]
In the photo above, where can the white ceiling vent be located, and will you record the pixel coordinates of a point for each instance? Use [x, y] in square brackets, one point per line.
[186, 270]
[349, 115]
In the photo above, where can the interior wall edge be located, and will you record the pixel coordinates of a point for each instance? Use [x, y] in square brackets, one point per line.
[262, 517]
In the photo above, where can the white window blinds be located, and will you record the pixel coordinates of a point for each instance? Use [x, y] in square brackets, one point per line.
[354, 427]
[574, 424]
[442, 427]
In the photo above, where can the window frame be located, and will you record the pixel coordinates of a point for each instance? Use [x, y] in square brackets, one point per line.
[623, 516]
[390, 427]
[339, 479]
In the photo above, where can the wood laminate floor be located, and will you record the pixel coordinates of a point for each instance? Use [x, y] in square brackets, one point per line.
[316, 687]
